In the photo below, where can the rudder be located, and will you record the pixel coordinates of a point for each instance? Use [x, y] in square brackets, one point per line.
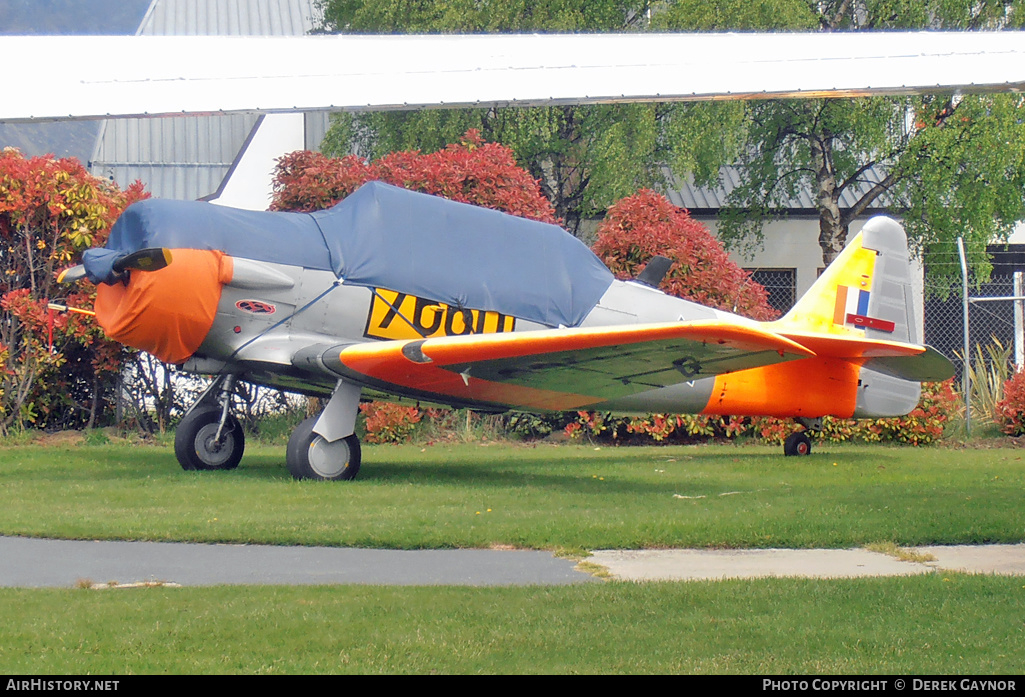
[865, 292]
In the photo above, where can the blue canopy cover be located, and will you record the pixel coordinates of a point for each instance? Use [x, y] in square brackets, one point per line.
[384, 236]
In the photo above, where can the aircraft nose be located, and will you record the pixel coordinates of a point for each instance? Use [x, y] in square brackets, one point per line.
[167, 312]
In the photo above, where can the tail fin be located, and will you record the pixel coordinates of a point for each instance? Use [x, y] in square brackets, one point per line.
[861, 310]
[865, 293]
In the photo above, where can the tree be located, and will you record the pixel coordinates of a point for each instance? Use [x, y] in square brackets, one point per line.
[585, 158]
[948, 164]
[486, 174]
[471, 171]
[638, 227]
[55, 370]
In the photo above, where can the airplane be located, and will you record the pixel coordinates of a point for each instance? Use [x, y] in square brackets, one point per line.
[402, 294]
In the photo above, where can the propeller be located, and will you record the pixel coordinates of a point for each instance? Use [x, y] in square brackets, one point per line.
[150, 259]
[75, 273]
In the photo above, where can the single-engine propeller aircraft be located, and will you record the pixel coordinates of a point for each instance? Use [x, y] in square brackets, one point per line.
[399, 293]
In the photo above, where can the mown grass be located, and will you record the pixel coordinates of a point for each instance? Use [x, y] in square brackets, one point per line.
[942, 624]
[570, 497]
[545, 497]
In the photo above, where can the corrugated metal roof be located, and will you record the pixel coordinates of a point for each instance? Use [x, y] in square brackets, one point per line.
[187, 158]
[230, 18]
[686, 194]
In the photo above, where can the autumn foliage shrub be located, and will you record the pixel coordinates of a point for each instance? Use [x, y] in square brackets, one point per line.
[647, 224]
[925, 424]
[386, 422]
[1010, 411]
[471, 171]
[55, 370]
[636, 229]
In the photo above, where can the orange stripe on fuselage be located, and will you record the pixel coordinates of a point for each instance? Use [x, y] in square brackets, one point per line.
[811, 387]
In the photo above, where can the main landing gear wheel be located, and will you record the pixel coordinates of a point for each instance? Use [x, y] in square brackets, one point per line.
[309, 456]
[196, 445]
[797, 444]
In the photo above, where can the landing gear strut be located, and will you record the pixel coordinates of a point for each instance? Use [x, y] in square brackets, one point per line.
[210, 437]
[799, 443]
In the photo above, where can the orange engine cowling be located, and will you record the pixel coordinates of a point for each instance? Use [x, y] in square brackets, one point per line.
[169, 312]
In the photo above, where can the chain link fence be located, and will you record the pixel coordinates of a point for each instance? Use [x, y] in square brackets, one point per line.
[989, 322]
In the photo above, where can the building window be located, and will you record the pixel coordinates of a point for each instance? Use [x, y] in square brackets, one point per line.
[780, 284]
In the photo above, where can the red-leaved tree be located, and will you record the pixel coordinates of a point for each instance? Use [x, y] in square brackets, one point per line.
[55, 370]
[640, 226]
[471, 171]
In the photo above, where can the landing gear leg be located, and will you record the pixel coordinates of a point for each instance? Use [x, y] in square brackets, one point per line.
[325, 446]
[210, 437]
[799, 443]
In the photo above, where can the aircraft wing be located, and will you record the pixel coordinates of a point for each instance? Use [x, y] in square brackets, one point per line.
[562, 369]
[178, 75]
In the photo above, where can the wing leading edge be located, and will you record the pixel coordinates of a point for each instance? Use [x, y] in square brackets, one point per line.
[564, 369]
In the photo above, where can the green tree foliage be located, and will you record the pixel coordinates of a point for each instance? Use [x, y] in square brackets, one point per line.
[949, 165]
[585, 158]
[56, 370]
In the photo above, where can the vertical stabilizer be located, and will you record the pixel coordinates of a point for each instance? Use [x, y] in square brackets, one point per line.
[866, 292]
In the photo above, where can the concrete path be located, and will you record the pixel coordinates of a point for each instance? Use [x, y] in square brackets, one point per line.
[692, 565]
[29, 562]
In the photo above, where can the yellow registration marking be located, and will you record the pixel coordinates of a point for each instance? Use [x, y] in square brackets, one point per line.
[395, 315]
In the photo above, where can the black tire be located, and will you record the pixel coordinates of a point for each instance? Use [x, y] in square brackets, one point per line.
[309, 456]
[797, 444]
[194, 444]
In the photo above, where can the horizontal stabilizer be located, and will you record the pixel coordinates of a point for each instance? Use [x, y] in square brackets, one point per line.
[930, 366]
[564, 369]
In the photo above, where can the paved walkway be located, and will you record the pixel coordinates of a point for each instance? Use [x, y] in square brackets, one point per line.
[29, 562]
[692, 564]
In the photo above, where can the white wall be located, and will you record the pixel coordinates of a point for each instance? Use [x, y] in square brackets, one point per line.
[249, 185]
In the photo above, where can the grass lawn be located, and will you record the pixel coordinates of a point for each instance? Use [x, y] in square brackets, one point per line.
[568, 497]
[545, 497]
[947, 624]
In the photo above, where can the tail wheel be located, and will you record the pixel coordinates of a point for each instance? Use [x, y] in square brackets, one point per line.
[797, 444]
[196, 444]
[310, 456]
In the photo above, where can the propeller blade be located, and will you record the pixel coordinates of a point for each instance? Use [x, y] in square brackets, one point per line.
[75, 273]
[151, 259]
